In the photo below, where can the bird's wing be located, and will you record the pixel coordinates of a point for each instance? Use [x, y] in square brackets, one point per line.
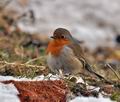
[78, 51]
[80, 55]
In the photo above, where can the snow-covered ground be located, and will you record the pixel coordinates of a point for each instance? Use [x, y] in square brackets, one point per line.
[38, 78]
[9, 93]
[90, 99]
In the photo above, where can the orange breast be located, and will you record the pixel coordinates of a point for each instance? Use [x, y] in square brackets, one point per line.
[55, 46]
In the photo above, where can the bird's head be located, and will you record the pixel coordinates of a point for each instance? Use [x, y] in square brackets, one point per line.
[61, 37]
[63, 34]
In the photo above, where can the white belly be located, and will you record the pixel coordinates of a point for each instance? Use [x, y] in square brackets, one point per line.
[53, 63]
[66, 61]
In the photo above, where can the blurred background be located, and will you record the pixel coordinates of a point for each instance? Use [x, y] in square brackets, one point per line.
[95, 22]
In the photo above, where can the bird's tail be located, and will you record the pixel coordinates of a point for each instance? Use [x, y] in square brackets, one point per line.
[90, 69]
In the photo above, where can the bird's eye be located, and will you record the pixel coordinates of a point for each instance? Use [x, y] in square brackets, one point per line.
[62, 36]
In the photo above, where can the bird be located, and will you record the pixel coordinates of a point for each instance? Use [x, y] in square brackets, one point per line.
[64, 54]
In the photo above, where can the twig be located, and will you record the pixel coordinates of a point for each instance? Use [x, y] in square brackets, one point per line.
[113, 70]
[27, 65]
[32, 60]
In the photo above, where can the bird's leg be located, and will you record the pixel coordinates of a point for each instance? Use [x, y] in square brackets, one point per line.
[61, 74]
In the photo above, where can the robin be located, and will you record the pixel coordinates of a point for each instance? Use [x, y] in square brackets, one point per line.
[65, 55]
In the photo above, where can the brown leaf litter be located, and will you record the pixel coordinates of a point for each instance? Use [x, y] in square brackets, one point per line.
[41, 91]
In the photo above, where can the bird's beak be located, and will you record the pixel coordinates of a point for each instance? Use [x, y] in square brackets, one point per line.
[52, 37]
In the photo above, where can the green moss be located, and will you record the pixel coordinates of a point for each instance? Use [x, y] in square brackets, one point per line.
[116, 96]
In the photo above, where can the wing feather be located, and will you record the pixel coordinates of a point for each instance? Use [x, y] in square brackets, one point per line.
[80, 55]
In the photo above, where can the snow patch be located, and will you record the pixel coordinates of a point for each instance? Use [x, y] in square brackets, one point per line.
[90, 21]
[91, 99]
[8, 93]
[38, 78]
